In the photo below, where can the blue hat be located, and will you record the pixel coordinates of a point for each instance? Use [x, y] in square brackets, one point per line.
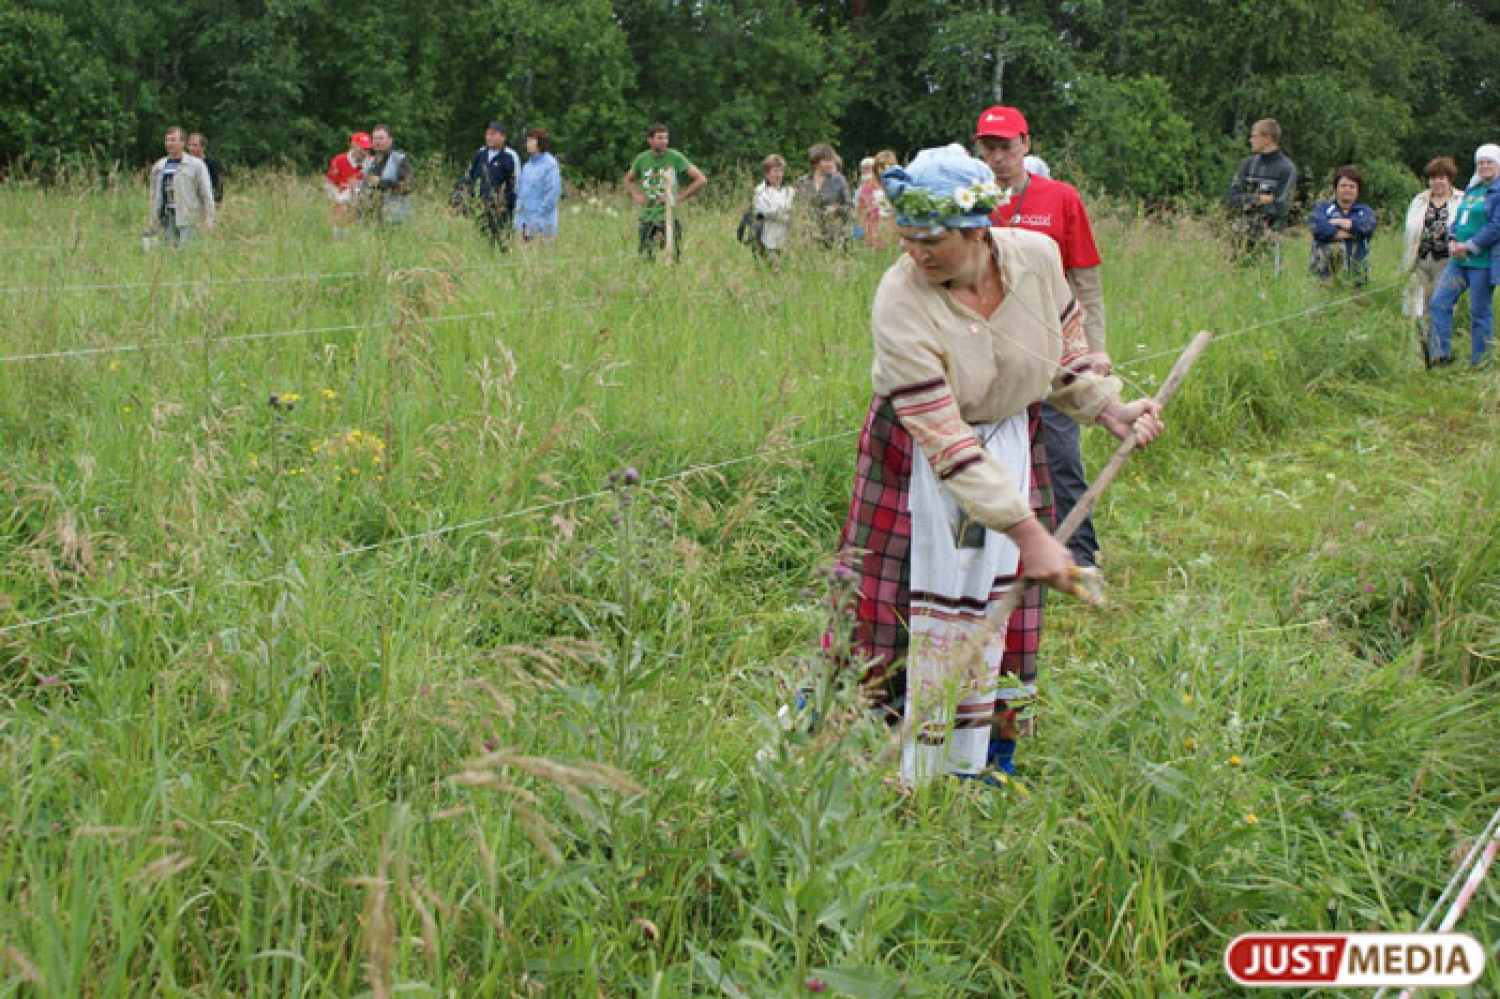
[943, 187]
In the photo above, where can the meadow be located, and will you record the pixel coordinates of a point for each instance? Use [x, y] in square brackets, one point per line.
[387, 616]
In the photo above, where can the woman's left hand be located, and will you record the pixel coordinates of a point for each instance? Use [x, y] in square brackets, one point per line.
[1142, 417]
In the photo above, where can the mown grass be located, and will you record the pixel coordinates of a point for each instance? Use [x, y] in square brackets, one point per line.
[357, 696]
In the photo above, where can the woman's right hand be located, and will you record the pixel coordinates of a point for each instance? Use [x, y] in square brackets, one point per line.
[1042, 558]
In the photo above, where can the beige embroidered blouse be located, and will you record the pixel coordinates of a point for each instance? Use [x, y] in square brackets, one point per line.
[945, 367]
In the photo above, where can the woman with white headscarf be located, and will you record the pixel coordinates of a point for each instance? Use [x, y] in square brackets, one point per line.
[1472, 267]
[973, 328]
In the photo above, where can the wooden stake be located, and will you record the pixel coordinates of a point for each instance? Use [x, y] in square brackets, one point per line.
[669, 181]
[970, 654]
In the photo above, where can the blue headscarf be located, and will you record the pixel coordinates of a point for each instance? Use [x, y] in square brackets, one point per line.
[949, 178]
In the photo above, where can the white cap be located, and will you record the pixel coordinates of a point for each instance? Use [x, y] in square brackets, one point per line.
[1488, 151]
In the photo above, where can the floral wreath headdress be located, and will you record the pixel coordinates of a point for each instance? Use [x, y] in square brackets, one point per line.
[945, 188]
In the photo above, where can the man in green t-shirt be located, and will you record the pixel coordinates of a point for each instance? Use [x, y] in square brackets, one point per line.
[654, 180]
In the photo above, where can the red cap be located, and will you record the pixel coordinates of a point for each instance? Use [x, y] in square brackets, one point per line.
[1002, 123]
[362, 140]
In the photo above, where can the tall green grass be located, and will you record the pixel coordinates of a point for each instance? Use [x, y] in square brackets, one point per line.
[440, 708]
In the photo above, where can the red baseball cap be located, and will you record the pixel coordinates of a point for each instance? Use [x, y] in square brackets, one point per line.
[362, 140]
[1002, 123]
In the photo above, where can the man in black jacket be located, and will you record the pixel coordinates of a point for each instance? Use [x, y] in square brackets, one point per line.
[197, 146]
[1261, 193]
[490, 182]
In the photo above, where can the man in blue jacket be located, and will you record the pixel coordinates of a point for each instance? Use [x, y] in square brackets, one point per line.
[1472, 266]
[490, 184]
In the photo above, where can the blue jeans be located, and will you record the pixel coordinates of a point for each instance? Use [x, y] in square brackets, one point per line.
[1450, 288]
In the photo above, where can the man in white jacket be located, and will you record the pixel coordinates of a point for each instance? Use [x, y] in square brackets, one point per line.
[182, 195]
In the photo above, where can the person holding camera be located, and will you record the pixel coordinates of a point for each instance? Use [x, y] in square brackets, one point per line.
[385, 193]
[773, 208]
[827, 203]
[1261, 193]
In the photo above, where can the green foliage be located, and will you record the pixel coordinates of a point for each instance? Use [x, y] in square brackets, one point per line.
[1148, 98]
[1131, 136]
[51, 82]
[736, 80]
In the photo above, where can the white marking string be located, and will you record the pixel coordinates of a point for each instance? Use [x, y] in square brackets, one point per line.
[1310, 310]
[406, 539]
[53, 355]
[468, 525]
[539, 260]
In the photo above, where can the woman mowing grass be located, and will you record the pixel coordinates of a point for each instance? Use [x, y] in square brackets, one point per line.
[973, 328]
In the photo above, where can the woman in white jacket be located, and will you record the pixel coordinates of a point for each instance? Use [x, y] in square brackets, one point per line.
[1429, 219]
[773, 207]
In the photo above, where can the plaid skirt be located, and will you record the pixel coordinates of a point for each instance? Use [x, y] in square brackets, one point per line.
[876, 544]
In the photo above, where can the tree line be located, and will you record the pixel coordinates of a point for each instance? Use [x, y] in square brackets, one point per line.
[1144, 98]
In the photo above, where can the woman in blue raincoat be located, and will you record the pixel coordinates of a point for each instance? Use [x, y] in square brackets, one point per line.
[539, 189]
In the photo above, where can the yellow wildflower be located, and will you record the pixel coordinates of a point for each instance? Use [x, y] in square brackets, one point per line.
[1235, 761]
[330, 394]
[1251, 820]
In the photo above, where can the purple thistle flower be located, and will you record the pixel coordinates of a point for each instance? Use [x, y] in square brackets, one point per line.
[817, 985]
[490, 744]
[632, 477]
[50, 681]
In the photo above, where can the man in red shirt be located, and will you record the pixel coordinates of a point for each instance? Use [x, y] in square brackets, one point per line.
[346, 172]
[1054, 209]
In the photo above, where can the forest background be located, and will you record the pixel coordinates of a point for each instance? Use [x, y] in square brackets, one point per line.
[1144, 98]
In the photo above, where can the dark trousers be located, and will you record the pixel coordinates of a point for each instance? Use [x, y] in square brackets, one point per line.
[495, 222]
[1069, 481]
[653, 236]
